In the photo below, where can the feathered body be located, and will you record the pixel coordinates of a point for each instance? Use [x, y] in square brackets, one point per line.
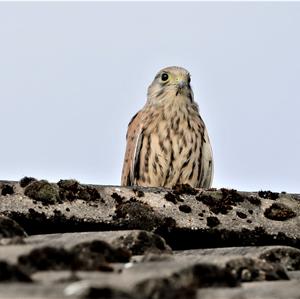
[167, 141]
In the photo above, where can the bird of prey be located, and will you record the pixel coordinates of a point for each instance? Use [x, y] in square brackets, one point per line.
[167, 141]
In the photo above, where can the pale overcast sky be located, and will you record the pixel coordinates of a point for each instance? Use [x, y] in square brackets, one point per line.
[73, 74]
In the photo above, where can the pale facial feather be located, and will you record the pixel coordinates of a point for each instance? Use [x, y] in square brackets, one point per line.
[176, 89]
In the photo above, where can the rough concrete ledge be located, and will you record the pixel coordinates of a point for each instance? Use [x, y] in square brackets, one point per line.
[186, 217]
[69, 240]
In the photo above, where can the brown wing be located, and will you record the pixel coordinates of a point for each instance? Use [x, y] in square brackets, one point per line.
[134, 138]
[207, 164]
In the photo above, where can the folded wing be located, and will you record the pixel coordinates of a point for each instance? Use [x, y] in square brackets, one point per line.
[134, 140]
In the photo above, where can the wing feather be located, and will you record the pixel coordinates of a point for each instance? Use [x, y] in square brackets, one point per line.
[207, 162]
[134, 139]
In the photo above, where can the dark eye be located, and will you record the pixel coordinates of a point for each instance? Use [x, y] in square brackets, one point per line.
[189, 79]
[164, 76]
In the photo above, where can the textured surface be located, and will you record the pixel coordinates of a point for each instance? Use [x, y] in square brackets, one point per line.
[185, 217]
[115, 242]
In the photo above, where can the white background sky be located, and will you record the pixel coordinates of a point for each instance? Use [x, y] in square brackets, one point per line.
[73, 74]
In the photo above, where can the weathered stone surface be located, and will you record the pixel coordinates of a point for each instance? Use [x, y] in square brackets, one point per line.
[141, 242]
[181, 273]
[248, 264]
[294, 275]
[158, 280]
[137, 241]
[209, 218]
[149, 279]
[30, 290]
[92, 251]
[80, 251]
[211, 268]
[91, 284]
[261, 290]
[110, 258]
[286, 256]
[57, 253]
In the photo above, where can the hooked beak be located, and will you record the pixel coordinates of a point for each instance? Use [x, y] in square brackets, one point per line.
[180, 85]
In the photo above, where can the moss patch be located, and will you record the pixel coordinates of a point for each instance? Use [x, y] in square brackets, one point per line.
[43, 191]
[86, 256]
[184, 189]
[279, 212]
[7, 189]
[71, 190]
[268, 194]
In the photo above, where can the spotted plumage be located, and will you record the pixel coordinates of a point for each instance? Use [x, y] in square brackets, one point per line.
[167, 141]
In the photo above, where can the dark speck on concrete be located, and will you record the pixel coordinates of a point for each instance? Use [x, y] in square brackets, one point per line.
[72, 189]
[224, 205]
[184, 189]
[210, 202]
[118, 198]
[93, 205]
[57, 212]
[241, 214]
[7, 189]
[254, 200]
[171, 197]
[212, 221]
[215, 205]
[138, 193]
[279, 212]
[185, 208]
[31, 211]
[268, 194]
[231, 195]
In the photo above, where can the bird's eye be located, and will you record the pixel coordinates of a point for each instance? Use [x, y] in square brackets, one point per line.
[164, 76]
[189, 79]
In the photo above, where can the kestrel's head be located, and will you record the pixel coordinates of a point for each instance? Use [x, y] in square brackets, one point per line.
[169, 83]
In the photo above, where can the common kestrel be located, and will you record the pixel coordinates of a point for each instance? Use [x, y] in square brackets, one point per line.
[167, 141]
